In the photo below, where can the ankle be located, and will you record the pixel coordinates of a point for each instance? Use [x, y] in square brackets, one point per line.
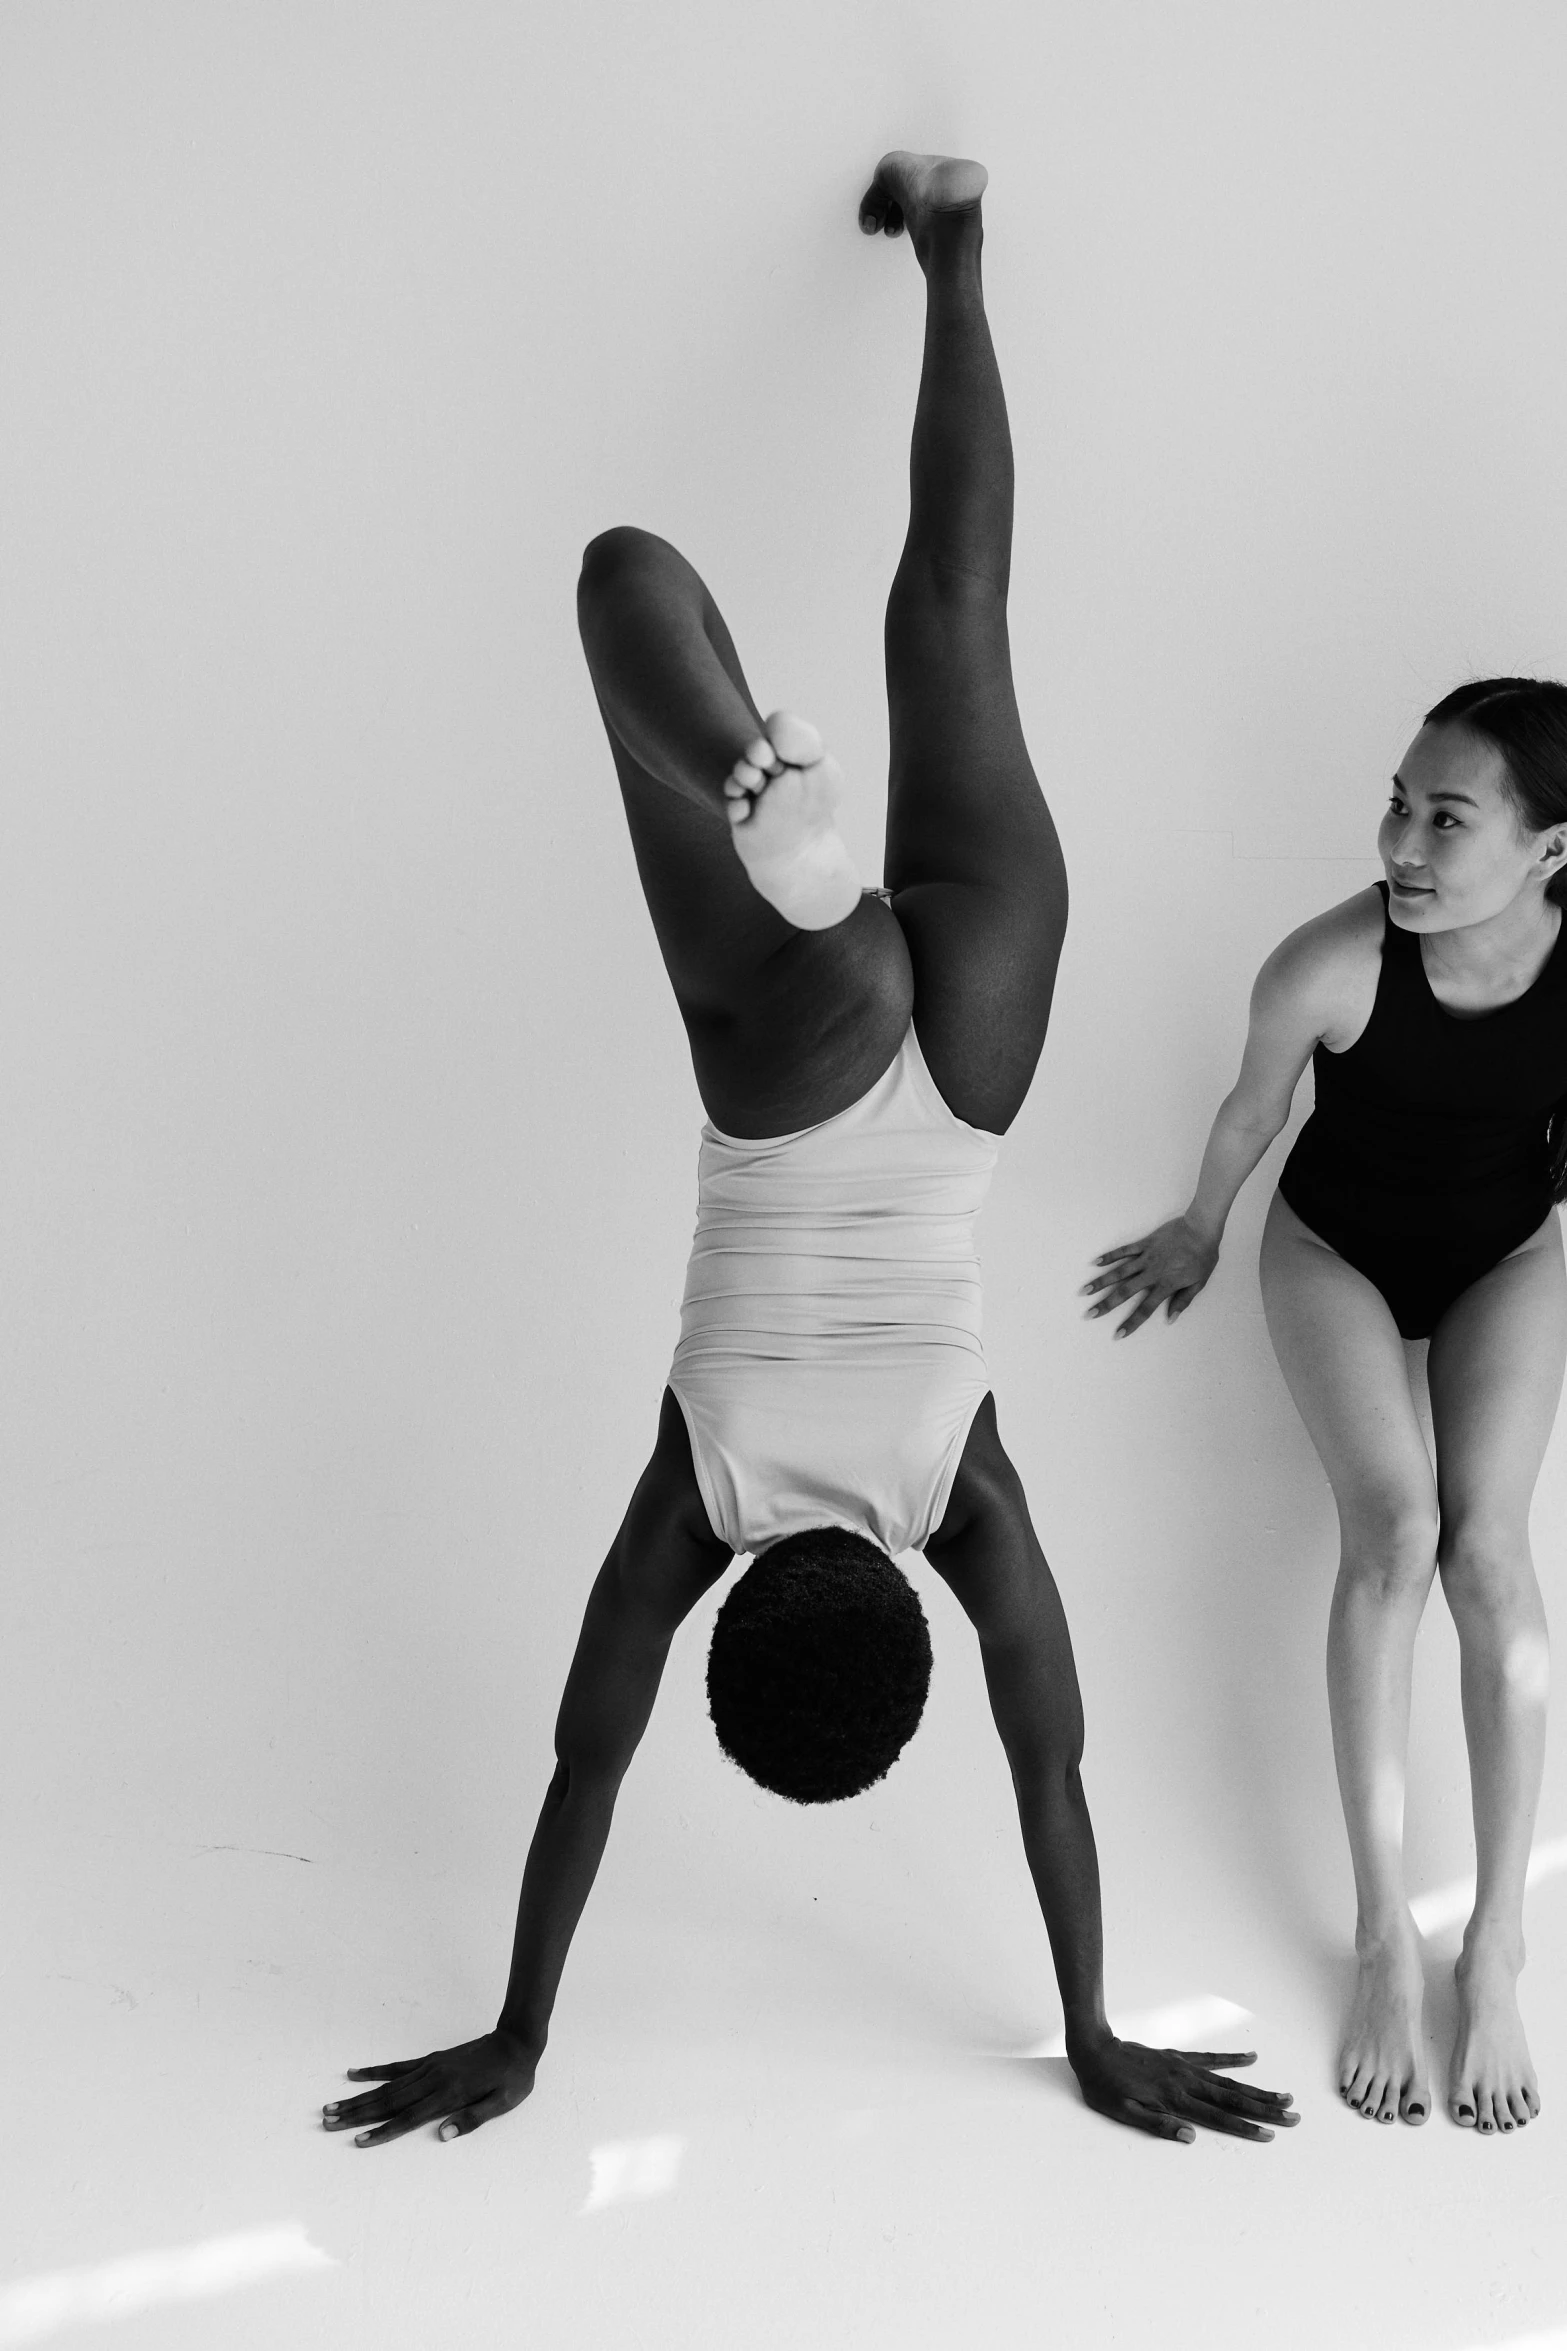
[951, 241]
[1381, 1932]
[1489, 1946]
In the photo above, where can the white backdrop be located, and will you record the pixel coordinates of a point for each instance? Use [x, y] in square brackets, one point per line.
[347, 1156]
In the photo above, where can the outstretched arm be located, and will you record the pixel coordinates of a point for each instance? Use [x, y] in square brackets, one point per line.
[663, 1559]
[988, 1552]
[1308, 988]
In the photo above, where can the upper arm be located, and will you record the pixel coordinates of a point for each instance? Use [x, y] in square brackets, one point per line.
[1317, 984]
[664, 1557]
[986, 1550]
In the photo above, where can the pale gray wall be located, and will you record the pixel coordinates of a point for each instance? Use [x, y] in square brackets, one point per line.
[347, 1147]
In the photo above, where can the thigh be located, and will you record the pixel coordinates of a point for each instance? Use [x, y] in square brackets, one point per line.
[1495, 1374]
[1345, 1367]
[973, 861]
[786, 1027]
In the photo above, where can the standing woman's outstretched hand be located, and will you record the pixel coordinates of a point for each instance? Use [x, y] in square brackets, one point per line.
[467, 2085]
[1166, 1267]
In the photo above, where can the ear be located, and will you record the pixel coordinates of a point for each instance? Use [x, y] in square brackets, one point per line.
[1555, 848]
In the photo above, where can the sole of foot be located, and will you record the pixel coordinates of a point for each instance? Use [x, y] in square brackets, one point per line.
[1381, 2068]
[1492, 2086]
[906, 189]
[783, 797]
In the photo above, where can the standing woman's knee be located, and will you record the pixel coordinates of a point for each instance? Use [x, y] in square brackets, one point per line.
[1390, 1546]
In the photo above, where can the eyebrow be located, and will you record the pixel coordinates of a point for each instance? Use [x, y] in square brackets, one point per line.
[1399, 785]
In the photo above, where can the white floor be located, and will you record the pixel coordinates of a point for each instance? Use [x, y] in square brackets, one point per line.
[792, 2100]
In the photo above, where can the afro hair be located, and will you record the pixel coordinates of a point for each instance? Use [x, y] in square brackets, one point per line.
[819, 1666]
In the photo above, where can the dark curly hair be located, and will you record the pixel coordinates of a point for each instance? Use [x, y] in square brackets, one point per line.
[819, 1665]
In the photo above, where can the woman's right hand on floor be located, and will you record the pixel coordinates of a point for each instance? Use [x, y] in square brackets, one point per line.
[1166, 1267]
[470, 2084]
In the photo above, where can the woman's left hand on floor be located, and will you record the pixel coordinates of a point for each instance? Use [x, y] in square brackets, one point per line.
[1173, 2093]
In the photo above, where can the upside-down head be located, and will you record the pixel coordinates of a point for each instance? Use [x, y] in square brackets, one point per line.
[819, 1666]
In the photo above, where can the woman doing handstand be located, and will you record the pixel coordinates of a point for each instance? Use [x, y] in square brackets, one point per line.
[1418, 1202]
[859, 1055]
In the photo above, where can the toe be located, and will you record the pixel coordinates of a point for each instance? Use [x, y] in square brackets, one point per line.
[1415, 2104]
[793, 740]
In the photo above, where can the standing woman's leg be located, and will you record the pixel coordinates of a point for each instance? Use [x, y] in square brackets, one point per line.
[1496, 1375]
[973, 861]
[1344, 1364]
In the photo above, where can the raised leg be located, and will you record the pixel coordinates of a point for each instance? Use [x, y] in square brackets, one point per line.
[1496, 1374]
[786, 1026]
[1343, 1361]
[973, 861]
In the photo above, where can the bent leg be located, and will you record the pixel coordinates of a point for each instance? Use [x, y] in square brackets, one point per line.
[786, 1027]
[1496, 1373]
[976, 870]
[1344, 1364]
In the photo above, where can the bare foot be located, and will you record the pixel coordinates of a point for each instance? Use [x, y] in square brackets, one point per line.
[906, 190]
[783, 803]
[1492, 2084]
[1381, 2067]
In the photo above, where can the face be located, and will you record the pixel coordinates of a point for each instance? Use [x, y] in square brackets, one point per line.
[1451, 842]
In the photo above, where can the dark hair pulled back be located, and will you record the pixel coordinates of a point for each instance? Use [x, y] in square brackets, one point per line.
[1525, 719]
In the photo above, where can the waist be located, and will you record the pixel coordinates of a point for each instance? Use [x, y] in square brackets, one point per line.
[799, 1295]
[1419, 1182]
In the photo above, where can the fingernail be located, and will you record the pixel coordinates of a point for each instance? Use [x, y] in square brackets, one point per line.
[363, 2139]
[332, 2109]
[448, 2130]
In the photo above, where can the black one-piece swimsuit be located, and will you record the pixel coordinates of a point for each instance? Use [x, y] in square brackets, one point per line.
[1425, 1161]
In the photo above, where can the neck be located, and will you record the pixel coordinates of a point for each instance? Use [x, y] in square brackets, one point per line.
[1496, 947]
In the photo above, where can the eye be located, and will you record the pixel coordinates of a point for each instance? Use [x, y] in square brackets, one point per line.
[1444, 816]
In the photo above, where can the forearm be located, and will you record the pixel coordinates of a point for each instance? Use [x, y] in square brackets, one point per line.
[1058, 1839]
[563, 1860]
[1235, 1145]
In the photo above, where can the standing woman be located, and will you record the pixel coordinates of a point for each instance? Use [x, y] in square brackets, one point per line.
[1419, 1203]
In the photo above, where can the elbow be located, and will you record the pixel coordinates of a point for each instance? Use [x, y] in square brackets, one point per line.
[586, 1775]
[1260, 1123]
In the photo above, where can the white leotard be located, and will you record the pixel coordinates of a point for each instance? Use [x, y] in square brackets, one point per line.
[829, 1363]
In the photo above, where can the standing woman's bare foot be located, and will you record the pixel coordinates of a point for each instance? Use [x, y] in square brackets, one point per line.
[907, 191]
[1382, 2066]
[783, 800]
[1492, 2084]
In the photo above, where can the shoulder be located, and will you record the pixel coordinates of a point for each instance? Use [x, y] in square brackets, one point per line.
[1326, 971]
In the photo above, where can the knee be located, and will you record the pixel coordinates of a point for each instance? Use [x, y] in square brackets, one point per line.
[1390, 1550]
[606, 558]
[1486, 1567]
